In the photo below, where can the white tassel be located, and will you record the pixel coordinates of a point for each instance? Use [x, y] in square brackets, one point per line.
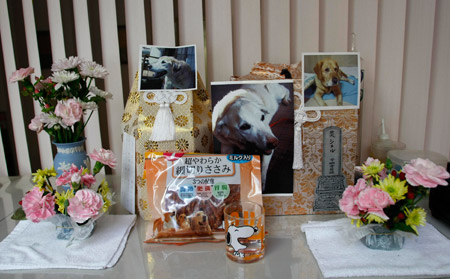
[300, 118]
[164, 127]
[298, 147]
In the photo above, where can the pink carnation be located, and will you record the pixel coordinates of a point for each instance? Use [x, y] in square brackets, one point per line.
[36, 124]
[87, 180]
[348, 202]
[38, 207]
[66, 176]
[374, 200]
[426, 173]
[21, 74]
[84, 205]
[106, 157]
[70, 111]
[75, 175]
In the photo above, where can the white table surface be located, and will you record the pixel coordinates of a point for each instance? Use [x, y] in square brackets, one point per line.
[287, 254]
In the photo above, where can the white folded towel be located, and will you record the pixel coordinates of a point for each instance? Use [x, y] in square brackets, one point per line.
[34, 245]
[425, 255]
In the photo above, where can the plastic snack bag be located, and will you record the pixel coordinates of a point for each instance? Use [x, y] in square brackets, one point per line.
[188, 192]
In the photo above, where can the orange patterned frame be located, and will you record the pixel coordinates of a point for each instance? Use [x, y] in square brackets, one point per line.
[305, 180]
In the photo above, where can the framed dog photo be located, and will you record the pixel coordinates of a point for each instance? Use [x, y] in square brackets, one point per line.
[331, 81]
[167, 68]
[257, 118]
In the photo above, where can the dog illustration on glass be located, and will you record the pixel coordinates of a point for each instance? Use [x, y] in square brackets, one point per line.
[235, 233]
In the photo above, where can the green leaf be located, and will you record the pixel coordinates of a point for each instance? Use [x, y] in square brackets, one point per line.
[388, 164]
[19, 214]
[404, 227]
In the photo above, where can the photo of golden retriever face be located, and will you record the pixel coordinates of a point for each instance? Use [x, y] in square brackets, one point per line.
[177, 73]
[242, 121]
[199, 224]
[328, 76]
[183, 222]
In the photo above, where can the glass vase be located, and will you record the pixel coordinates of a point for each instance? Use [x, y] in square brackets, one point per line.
[382, 238]
[67, 229]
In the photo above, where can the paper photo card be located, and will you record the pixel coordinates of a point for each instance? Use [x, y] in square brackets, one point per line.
[331, 81]
[257, 118]
[167, 68]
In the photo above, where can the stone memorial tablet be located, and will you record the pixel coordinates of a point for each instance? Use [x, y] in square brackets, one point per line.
[332, 182]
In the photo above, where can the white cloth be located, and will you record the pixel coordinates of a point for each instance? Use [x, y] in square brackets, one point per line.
[425, 255]
[34, 246]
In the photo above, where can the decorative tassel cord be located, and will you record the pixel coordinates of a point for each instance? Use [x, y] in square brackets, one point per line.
[164, 127]
[300, 118]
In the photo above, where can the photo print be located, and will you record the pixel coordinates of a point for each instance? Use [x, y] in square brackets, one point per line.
[257, 118]
[167, 68]
[331, 81]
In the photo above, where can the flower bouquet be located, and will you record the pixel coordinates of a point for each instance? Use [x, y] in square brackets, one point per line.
[390, 198]
[64, 97]
[74, 210]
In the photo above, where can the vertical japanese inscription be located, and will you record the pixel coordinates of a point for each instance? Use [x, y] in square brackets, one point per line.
[331, 183]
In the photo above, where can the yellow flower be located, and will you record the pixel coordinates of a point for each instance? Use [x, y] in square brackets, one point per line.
[374, 218]
[40, 177]
[62, 199]
[373, 169]
[106, 194]
[359, 222]
[394, 187]
[416, 217]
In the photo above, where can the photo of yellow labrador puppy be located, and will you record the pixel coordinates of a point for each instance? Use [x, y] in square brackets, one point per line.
[328, 76]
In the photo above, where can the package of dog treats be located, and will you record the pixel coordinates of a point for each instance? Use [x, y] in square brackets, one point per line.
[188, 192]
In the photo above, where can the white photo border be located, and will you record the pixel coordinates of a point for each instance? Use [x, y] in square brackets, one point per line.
[278, 81]
[141, 48]
[358, 77]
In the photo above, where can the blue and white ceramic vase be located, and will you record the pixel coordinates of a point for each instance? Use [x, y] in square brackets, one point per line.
[68, 154]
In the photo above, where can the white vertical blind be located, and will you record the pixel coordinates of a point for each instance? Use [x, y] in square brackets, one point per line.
[3, 167]
[388, 85]
[363, 23]
[113, 83]
[275, 31]
[84, 49]
[333, 25]
[304, 28]
[403, 44]
[246, 35]
[23, 157]
[45, 148]
[136, 35]
[219, 40]
[56, 30]
[417, 68]
[190, 26]
[438, 128]
[163, 31]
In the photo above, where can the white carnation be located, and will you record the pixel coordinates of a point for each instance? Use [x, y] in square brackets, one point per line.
[92, 69]
[98, 92]
[66, 63]
[64, 77]
[50, 120]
